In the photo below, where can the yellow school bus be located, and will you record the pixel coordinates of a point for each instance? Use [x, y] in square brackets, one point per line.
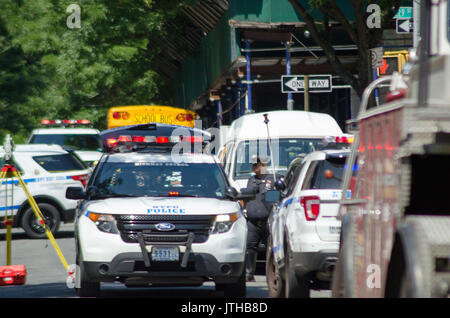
[142, 114]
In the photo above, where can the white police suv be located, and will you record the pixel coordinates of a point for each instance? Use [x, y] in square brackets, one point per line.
[150, 217]
[47, 170]
[71, 134]
[304, 230]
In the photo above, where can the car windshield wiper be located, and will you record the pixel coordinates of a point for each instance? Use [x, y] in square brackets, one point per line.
[106, 196]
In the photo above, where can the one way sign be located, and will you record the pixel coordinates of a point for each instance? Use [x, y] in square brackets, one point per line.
[296, 83]
[404, 26]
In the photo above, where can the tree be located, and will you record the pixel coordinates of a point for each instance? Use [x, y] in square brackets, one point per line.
[364, 32]
[55, 69]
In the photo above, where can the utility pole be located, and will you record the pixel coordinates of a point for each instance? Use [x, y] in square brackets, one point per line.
[306, 93]
[416, 19]
[249, 106]
[290, 100]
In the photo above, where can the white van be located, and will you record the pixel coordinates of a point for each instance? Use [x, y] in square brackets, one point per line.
[292, 133]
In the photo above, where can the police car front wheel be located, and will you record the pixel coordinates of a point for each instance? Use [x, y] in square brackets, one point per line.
[31, 224]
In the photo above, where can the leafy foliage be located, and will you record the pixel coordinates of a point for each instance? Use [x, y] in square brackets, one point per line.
[48, 70]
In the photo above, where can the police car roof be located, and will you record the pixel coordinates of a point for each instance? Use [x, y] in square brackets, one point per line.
[136, 157]
[323, 154]
[162, 129]
[35, 148]
[284, 124]
[64, 131]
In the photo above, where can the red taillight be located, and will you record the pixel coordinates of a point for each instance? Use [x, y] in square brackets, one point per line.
[189, 117]
[311, 206]
[83, 178]
[162, 140]
[116, 115]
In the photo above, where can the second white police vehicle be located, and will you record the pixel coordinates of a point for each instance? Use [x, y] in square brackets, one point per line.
[150, 217]
[304, 230]
[47, 170]
[70, 134]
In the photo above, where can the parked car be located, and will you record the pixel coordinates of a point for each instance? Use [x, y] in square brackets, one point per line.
[84, 141]
[47, 170]
[303, 229]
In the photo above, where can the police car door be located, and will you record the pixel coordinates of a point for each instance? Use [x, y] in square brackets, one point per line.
[279, 215]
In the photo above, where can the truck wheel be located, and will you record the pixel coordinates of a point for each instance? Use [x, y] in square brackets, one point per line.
[86, 288]
[295, 287]
[274, 281]
[31, 225]
[234, 290]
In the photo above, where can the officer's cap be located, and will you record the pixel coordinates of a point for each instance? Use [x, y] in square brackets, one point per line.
[255, 159]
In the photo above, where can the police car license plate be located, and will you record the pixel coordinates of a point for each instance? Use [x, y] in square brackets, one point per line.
[165, 254]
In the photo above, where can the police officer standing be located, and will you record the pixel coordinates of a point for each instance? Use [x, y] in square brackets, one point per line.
[257, 212]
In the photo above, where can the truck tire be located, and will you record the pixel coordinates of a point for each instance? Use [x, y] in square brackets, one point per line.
[234, 290]
[274, 280]
[31, 224]
[86, 288]
[295, 287]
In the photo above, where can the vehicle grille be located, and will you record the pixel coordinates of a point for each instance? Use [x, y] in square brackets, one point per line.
[130, 225]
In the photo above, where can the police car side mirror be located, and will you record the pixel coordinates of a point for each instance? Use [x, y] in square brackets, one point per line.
[231, 193]
[272, 196]
[280, 185]
[75, 193]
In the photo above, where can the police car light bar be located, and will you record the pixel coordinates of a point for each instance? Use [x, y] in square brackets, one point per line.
[65, 122]
[142, 140]
[339, 139]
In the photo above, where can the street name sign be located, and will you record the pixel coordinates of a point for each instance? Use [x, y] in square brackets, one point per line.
[296, 83]
[404, 13]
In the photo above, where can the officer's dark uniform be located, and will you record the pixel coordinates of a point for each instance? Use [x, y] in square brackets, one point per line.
[257, 214]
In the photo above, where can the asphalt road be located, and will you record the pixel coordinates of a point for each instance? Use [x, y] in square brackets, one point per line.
[46, 276]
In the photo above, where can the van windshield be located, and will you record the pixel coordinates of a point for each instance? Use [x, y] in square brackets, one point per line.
[284, 151]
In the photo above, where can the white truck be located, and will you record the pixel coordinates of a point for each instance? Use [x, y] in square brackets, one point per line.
[395, 238]
[292, 133]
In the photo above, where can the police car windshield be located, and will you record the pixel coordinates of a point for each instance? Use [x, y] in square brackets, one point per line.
[89, 142]
[284, 151]
[160, 179]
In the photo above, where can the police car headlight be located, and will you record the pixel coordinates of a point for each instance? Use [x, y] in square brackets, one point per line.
[224, 222]
[105, 222]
